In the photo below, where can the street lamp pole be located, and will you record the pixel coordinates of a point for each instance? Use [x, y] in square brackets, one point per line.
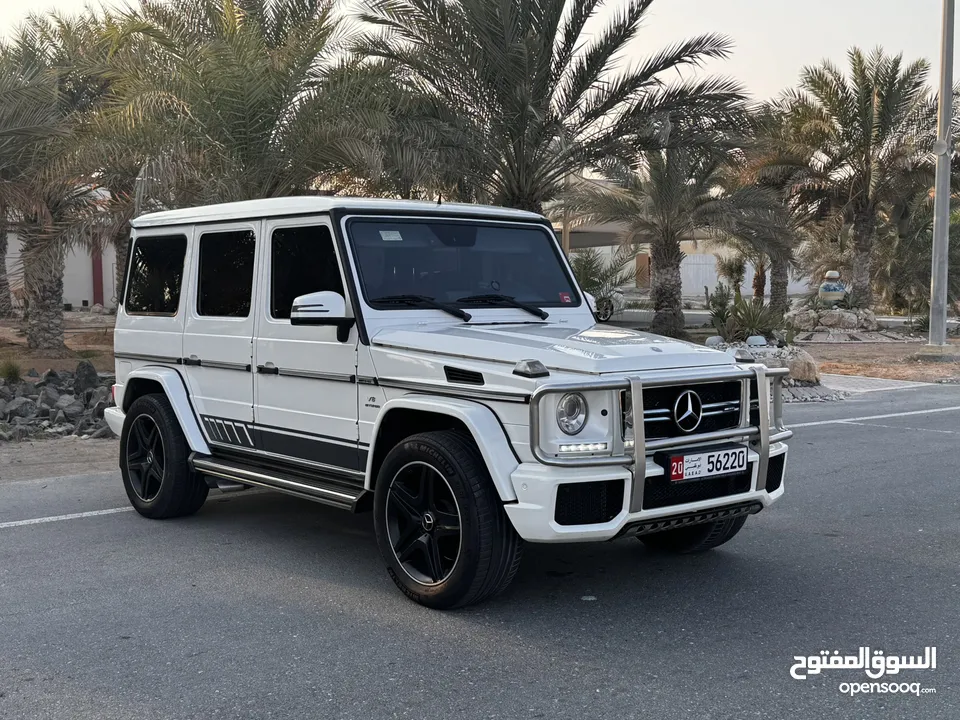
[941, 207]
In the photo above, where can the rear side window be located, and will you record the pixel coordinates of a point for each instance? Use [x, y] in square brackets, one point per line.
[156, 275]
[226, 273]
[302, 260]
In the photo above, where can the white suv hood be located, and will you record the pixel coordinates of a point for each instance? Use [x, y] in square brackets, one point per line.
[597, 349]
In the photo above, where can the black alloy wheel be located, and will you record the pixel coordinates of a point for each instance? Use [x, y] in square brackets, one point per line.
[145, 458]
[423, 523]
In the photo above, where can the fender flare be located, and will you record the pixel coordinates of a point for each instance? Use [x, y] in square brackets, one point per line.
[172, 383]
[483, 425]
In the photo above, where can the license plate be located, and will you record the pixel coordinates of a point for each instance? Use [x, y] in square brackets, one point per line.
[707, 464]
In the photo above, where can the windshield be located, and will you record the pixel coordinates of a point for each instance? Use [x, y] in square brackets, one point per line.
[461, 263]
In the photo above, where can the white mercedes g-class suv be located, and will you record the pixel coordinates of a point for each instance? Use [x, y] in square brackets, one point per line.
[436, 364]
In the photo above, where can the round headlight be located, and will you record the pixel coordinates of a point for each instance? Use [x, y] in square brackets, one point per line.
[572, 413]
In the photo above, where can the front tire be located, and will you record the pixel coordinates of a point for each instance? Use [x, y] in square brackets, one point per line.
[440, 524]
[153, 461]
[696, 538]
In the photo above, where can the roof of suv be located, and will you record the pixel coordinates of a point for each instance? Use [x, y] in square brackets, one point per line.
[307, 205]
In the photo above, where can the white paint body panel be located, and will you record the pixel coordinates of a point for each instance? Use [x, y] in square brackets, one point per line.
[219, 392]
[176, 391]
[483, 426]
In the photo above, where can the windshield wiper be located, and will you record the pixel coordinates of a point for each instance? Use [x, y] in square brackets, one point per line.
[424, 300]
[493, 298]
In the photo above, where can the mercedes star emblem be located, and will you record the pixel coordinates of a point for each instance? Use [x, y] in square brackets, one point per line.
[688, 411]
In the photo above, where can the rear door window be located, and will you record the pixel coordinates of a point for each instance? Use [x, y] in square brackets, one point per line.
[156, 275]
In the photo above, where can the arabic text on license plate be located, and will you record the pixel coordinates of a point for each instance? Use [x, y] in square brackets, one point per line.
[701, 465]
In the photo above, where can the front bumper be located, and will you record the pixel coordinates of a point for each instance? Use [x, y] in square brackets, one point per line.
[534, 515]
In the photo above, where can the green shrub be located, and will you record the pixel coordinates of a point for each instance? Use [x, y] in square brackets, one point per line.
[10, 370]
[88, 354]
[921, 323]
[719, 304]
[746, 319]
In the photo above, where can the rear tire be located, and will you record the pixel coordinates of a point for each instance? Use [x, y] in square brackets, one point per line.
[440, 523]
[153, 461]
[696, 538]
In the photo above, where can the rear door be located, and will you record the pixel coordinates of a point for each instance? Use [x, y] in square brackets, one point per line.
[306, 392]
[218, 334]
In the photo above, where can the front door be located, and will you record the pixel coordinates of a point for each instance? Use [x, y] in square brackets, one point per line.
[218, 333]
[305, 382]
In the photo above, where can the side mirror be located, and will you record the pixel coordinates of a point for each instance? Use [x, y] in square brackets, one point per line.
[322, 308]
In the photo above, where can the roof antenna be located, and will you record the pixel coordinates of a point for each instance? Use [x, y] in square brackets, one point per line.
[439, 198]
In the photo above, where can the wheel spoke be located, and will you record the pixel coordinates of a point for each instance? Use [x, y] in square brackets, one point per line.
[141, 434]
[409, 543]
[446, 523]
[408, 505]
[434, 563]
[155, 473]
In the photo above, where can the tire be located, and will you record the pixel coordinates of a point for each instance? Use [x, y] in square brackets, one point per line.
[696, 538]
[604, 309]
[440, 524]
[153, 450]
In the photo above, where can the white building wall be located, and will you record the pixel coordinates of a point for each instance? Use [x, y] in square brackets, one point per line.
[700, 270]
[77, 276]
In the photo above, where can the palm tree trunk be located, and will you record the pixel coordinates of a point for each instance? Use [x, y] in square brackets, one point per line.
[864, 234]
[759, 281]
[779, 281]
[6, 303]
[43, 281]
[666, 287]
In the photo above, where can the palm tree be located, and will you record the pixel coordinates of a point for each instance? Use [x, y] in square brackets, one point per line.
[671, 195]
[256, 96]
[854, 144]
[529, 97]
[52, 206]
[28, 120]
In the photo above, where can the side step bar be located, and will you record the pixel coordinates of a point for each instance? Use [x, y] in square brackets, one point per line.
[316, 488]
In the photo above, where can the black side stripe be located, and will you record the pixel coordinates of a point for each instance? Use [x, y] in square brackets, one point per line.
[311, 449]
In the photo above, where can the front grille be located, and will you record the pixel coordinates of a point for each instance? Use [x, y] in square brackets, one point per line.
[721, 409]
[775, 472]
[660, 491]
[588, 503]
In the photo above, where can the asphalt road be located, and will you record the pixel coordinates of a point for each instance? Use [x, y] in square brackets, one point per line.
[263, 606]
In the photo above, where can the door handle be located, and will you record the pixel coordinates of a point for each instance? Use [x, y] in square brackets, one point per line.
[268, 369]
[193, 360]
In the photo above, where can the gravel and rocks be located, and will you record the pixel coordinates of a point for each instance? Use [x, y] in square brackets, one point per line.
[57, 404]
[803, 383]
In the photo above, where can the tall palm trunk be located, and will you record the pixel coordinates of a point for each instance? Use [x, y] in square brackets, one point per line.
[43, 280]
[864, 234]
[666, 286]
[759, 280]
[779, 281]
[6, 302]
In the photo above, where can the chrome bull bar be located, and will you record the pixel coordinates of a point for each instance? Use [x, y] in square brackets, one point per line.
[769, 429]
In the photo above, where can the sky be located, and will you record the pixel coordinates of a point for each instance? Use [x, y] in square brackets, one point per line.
[774, 39]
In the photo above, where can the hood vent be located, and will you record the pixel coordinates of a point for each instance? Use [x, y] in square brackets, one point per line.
[462, 377]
